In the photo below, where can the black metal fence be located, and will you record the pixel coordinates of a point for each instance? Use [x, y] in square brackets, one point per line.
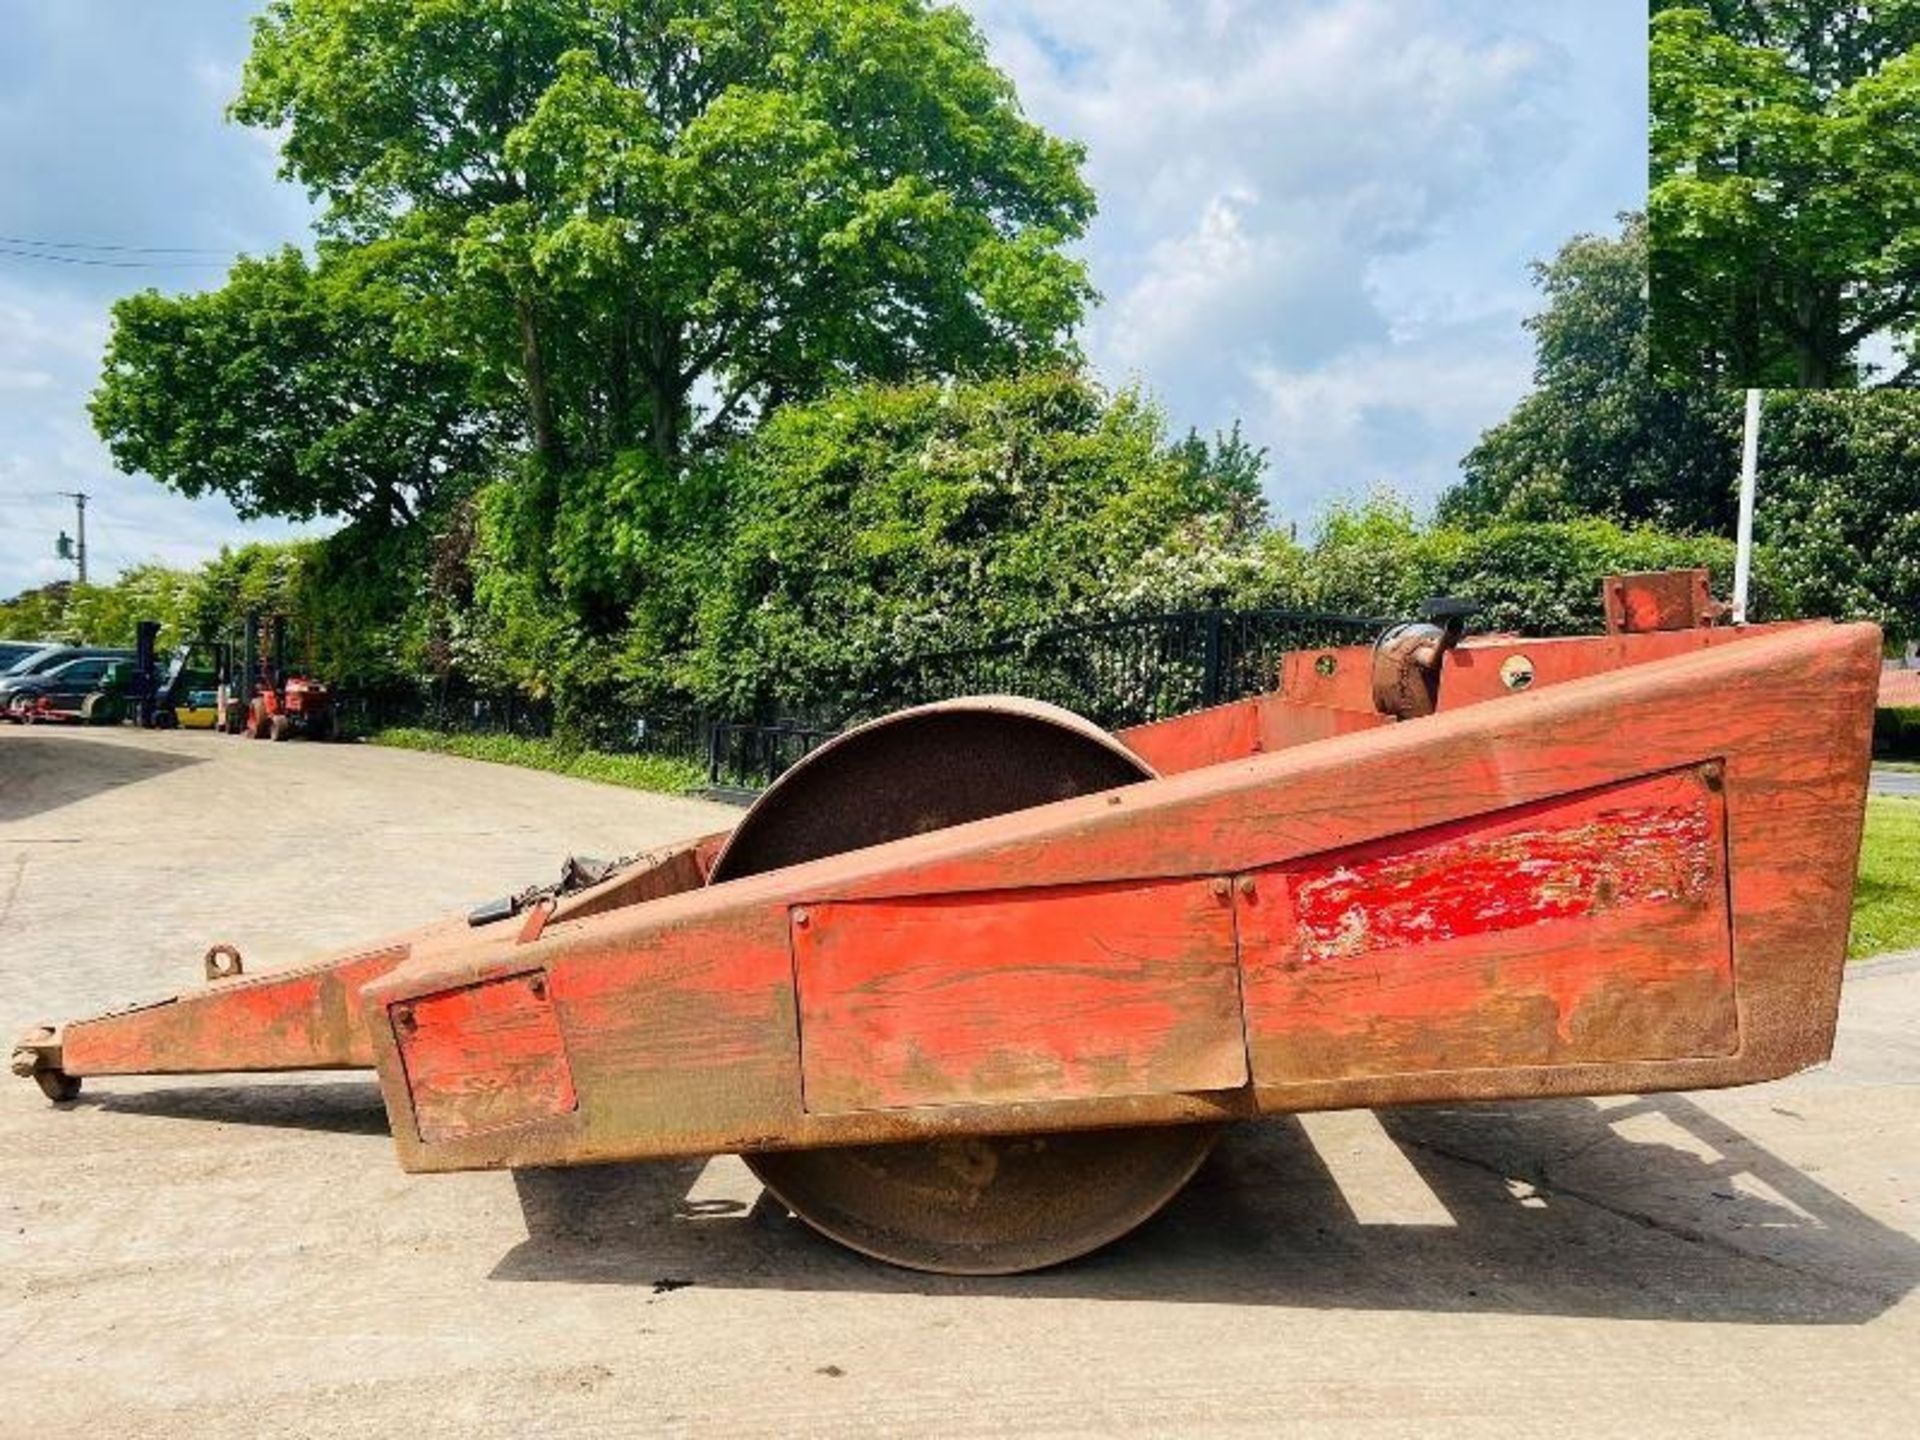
[1116, 672]
[1132, 670]
[735, 755]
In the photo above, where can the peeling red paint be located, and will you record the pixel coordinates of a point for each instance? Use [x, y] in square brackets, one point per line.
[1589, 927]
[1472, 884]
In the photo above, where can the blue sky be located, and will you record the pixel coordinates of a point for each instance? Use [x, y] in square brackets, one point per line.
[1315, 216]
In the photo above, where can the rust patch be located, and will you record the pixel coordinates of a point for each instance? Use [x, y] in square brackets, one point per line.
[483, 1057]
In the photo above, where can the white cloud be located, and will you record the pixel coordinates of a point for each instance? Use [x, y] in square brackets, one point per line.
[48, 448]
[111, 133]
[1312, 212]
[1315, 217]
[1388, 414]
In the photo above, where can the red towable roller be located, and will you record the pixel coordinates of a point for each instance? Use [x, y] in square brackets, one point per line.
[974, 987]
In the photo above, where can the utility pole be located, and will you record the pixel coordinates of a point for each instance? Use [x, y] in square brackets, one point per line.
[1743, 542]
[79, 557]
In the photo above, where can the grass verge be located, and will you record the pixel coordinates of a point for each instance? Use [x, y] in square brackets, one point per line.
[636, 772]
[1886, 899]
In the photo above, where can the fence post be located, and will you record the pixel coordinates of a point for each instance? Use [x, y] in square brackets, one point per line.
[1210, 678]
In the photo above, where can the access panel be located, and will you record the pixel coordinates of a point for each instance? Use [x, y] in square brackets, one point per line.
[483, 1057]
[1587, 928]
[1061, 993]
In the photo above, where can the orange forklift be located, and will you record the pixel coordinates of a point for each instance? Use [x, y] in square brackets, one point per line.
[264, 699]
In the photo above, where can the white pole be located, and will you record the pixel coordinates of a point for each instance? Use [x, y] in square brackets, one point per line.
[1749, 472]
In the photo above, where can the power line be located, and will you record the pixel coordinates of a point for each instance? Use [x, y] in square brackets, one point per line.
[123, 249]
[111, 264]
[37, 510]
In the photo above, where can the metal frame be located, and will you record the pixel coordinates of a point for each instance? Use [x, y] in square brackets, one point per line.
[1633, 873]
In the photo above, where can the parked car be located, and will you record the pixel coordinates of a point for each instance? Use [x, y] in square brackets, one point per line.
[20, 694]
[45, 655]
[12, 652]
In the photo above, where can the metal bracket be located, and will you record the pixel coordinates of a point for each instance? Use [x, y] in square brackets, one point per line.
[537, 919]
[1451, 613]
[37, 1056]
[223, 962]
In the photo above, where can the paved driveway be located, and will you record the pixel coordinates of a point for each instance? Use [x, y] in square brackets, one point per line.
[212, 1259]
[1895, 782]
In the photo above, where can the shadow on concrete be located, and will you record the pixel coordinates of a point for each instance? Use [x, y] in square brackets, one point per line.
[1553, 1210]
[41, 772]
[341, 1107]
[1630, 1208]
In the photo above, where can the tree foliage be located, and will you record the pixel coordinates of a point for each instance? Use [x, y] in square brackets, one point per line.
[649, 219]
[1840, 503]
[292, 391]
[1785, 204]
[1839, 488]
[883, 522]
[1597, 435]
[1377, 558]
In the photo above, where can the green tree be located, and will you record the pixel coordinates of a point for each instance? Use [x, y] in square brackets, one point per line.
[886, 522]
[38, 614]
[1840, 504]
[651, 220]
[293, 391]
[1598, 436]
[107, 614]
[1785, 202]
[1603, 436]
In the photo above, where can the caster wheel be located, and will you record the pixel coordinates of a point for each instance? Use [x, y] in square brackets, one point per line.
[57, 1085]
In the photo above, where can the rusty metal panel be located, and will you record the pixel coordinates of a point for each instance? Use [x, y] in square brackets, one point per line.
[1658, 600]
[1240, 729]
[1583, 929]
[303, 1018]
[1494, 667]
[1013, 996]
[483, 1057]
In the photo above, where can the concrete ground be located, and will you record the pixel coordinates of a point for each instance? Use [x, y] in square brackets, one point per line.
[212, 1259]
[1887, 781]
